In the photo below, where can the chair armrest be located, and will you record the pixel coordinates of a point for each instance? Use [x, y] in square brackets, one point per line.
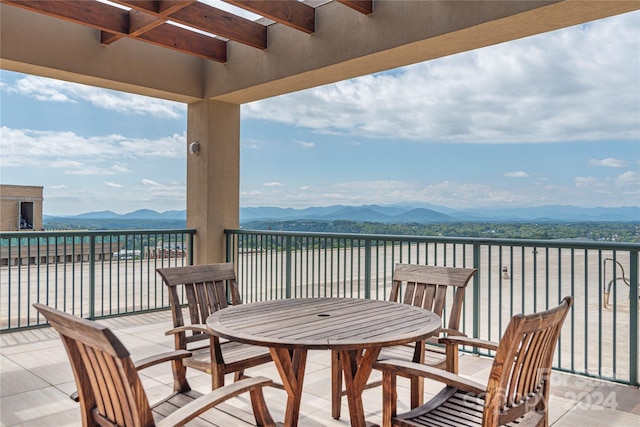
[443, 333]
[194, 327]
[416, 369]
[160, 358]
[213, 398]
[452, 332]
[473, 342]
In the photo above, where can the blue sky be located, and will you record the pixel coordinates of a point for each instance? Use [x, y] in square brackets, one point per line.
[550, 119]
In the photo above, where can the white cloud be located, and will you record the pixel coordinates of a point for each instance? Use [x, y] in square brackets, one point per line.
[149, 182]
[585, 181]
[273, 184]
[307, 144]
[63, 149]
[575, 84]
[50, 90]
[516, 174]
[629, 178]
[610, 162]
[113, 185]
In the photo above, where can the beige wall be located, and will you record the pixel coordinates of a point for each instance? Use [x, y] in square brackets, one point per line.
[10, 198]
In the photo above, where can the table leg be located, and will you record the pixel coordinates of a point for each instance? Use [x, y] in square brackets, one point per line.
[291, 365]
[357, 366]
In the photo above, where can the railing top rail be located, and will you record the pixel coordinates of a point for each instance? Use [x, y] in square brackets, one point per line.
[555, 243]
[72, 233]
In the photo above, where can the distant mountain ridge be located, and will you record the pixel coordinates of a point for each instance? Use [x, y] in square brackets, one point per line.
[397, 214]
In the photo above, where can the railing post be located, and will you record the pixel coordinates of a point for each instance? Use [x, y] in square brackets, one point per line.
[367, 269]
[476, 293]
[288, 266]
[191, 238]
[634, 280]
[228, 247]
[92, 276]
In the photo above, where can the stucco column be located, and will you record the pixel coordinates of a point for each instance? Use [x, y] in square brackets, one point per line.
[213, 176]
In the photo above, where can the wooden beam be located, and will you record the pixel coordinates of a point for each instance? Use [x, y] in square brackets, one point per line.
[183, 40]
[362, 6]
[140, 22]
[204, 18]
[114, 24]
[224, 24]
[167, 7]
[91, 13]
[162, 8]
[291, 13]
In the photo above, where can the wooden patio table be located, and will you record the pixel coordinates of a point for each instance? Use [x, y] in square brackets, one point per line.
[357, 328]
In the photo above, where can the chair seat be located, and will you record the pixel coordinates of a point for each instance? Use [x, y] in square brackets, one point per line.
[454, 408]
[234, 353]
[433, 355]
[223, 415]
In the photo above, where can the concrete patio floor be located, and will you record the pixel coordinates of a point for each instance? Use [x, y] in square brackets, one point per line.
[36, 379]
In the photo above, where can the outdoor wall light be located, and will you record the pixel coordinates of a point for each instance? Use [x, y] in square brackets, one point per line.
[194, 147]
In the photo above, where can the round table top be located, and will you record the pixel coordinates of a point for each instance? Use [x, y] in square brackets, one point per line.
[324, 323]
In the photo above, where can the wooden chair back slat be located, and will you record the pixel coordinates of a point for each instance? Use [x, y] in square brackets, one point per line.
[519, 378]
[207, 289]
[427, 287]
[109, 388]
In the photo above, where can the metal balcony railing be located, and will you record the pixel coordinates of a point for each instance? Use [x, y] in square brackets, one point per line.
[89, 274]
[99, 274]
[600, 338]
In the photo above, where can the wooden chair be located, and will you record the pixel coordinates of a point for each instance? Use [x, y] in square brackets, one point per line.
[207, 289]
[109, 388]
[422, 286]
[517, 392]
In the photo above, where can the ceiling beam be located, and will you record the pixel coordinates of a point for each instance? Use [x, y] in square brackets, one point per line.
[291, 13]
[187, 41]
[204, 18]
[362, 6]
[94, 14]
[223, 24]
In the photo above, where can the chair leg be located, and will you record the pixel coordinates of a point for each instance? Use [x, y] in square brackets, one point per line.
[180, 383]
[451, 363]
[417, 391]
[336, 384]
[260, 409]
[217, 378]
[238, 375]
[389, 398]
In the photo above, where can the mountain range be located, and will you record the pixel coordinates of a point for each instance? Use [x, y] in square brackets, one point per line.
[398, 214]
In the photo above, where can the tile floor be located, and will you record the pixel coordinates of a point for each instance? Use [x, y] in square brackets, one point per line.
[35, 381]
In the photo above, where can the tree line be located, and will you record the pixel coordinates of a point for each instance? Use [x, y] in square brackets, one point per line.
[628, 232]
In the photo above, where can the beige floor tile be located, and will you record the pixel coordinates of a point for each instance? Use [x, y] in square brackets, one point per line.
[69, 418]
[33, 405]
[8, 365]
[20, 381]
[586, 415]
[51, 365]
